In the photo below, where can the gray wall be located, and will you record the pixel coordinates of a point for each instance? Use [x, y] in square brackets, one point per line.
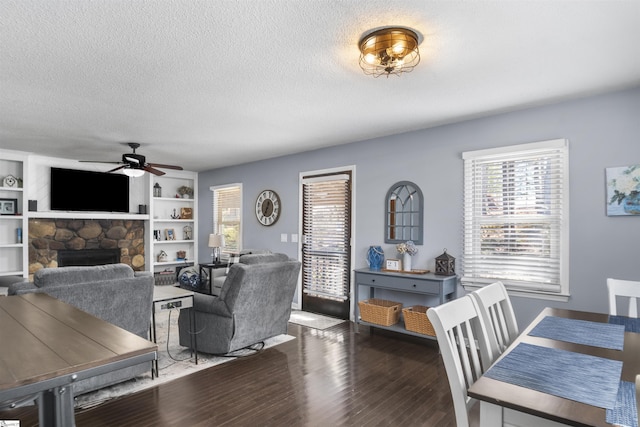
[603, 131]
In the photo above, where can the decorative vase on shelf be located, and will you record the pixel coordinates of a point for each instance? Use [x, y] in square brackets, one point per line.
[406, 261]
[631, 203]
[375, 257]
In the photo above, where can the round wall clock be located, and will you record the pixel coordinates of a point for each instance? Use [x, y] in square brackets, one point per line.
[268, 207]
[9, 181]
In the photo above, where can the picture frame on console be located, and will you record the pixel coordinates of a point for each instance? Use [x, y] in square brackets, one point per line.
[8, 206]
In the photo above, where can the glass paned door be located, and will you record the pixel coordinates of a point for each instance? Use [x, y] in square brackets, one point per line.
[326, 244]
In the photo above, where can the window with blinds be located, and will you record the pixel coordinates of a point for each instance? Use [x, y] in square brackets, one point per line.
[515, 218]
[227, 216]
[326, 236]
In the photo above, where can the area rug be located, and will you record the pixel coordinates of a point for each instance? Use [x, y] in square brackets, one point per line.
[174, 361]
[313, 320]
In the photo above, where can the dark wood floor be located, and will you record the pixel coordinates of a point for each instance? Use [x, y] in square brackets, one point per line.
[335, 377]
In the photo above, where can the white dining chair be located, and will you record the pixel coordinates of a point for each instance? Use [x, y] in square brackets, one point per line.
[464, 342]
[497, 313]
[626, 289]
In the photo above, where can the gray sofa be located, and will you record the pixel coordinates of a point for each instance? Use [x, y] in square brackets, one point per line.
[254, 304]
[114, 293]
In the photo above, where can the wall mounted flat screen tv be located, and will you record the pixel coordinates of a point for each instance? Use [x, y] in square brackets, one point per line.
[80, 190]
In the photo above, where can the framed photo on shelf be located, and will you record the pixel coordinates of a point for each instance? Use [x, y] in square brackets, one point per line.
[8, 206]
[170, 234]
[186, 213]
[393, 264]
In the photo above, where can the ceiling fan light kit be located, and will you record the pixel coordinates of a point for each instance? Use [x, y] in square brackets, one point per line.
[392, 50]
[135, 165]
[133, 173]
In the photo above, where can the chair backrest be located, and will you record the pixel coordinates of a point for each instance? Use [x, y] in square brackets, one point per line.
[623, 288]
[463, 341]
[638, 392]
[497, 312]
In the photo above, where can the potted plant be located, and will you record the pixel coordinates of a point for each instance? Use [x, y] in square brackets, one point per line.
[185, 192]
[407, 250]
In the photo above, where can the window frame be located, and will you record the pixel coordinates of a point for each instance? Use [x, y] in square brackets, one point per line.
[557, 218]
[215, 221]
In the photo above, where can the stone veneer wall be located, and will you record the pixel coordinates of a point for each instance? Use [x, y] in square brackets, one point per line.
[47, 236]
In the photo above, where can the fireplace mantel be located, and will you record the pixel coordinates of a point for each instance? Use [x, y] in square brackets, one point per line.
[87, 215]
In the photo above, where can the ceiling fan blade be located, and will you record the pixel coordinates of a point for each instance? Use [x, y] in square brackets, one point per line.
[153, 171]
[117, 169]
[158, 165]
[99, 161]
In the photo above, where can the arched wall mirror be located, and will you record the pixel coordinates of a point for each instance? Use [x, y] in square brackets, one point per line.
[403, 213]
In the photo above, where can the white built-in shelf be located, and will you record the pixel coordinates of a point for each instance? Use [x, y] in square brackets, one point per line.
[172, 263]
[173, 199]
[7, 217]
[17, 189]
[11, 273]
[173, 220]
[159, 242]
[12, 245]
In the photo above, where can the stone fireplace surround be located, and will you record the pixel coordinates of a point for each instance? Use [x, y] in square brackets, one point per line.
[47, 236]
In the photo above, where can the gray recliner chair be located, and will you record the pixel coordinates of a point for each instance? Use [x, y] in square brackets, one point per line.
[254, 304]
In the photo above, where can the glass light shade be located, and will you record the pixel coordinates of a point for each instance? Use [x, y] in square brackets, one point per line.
[389, 51]
[133, 173]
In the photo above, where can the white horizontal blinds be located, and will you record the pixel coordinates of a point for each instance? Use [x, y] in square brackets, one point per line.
[326, 239]
[514, 205]
[227, 216]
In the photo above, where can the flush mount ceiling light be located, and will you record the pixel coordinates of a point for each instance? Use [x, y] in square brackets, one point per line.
[388, 51]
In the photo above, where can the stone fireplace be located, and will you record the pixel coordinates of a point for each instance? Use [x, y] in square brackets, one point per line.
[85, 241]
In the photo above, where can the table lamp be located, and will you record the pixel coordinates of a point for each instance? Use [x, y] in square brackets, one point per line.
[216, 241]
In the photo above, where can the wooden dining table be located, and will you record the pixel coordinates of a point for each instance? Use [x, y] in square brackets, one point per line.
[47, 345]
[495, 394]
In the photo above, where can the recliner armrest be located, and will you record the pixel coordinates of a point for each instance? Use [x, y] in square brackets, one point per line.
[210, 304]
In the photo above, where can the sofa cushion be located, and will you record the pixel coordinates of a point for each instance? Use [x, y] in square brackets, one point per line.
[73, 275]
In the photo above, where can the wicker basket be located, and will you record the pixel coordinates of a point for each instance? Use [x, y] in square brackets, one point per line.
[416, 320]
[380, 312]
[165, 278]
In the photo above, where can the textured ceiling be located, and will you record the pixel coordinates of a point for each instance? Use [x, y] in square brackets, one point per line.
[205, 84]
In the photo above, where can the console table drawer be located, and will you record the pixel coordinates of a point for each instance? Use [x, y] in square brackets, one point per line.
[408, 284]
[169, 304]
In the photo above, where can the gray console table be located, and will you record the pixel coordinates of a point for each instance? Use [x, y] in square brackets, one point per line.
[429, 284]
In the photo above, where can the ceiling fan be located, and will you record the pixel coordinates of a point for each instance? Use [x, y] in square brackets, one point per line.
[135, 165]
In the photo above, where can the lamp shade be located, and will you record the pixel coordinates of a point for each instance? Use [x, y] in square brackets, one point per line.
[216, 240]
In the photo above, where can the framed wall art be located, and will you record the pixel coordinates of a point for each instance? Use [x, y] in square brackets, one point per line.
[623, 190]
[8, 206]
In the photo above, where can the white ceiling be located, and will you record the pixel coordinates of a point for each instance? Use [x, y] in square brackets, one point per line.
[204, 84]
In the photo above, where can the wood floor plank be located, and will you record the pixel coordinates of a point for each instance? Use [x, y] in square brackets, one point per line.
[336, 377]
